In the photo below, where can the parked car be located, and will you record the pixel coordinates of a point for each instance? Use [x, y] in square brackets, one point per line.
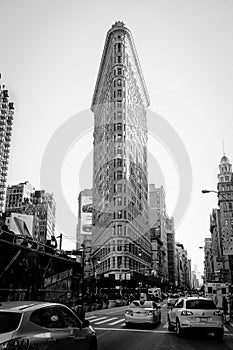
[196, 313]
[143, 311]
[40, 325]
[172, 299]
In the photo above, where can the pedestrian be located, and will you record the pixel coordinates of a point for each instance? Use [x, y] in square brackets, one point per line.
[225, 309]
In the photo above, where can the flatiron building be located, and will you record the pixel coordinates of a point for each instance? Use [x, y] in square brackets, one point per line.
[120, 233]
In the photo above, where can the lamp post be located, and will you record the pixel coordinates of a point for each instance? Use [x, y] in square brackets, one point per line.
[96, 276]
[60, 240]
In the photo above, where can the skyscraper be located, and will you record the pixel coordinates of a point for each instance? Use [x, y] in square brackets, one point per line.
[120, 189]
[6, 120]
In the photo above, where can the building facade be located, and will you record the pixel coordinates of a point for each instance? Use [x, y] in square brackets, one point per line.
[172, 271]
[225, 202]
[6, 121]
[24, 199]
[220, 267]
[120, 190]
[159, 227]
[18, 196]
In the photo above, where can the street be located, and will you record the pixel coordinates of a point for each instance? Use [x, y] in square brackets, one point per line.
[112, 333]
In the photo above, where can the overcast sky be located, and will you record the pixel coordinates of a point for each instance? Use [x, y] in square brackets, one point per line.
[50, 56]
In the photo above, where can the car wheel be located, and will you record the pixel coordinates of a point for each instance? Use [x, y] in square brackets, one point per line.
[93, 344]
[170, 326]
[159, 320]
[219, 333]
[179, 330]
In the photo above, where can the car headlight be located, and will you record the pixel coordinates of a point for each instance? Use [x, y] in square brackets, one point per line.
[129, 312]
[218, 313]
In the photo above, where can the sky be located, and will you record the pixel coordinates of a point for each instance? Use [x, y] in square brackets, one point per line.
[50, 56]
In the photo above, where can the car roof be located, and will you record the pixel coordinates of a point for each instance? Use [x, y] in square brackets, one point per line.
[24, 305]
[195, 298]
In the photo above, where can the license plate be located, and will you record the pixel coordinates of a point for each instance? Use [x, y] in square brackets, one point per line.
[139, 314]
[203, 319]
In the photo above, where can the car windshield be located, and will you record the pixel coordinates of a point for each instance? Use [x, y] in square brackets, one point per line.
[145, 304]
[200, 304]
[9, 321]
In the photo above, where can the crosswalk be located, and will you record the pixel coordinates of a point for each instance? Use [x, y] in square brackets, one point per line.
[106, 320]
[116, 321]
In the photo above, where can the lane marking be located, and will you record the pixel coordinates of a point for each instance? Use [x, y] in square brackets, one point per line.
[90, 317]
[99, 318]
[133, 330]
[109, 319]
[118, 321]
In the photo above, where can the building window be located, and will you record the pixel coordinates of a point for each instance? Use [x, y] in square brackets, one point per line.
[119, 262]
[119, 71]
[119, 161]
[119, 115]
[119, 175]
[119, 93]
[119, 188]
[119, 245]
[119, 229]
[119, 150]
[119, 214]
[119, 201]
[119, 138]
[119, 82]
[119, 126]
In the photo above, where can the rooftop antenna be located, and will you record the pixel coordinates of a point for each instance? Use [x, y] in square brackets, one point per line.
[223, 148]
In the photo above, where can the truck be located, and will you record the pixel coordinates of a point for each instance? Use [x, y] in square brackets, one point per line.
[155, 292]
[219, 292]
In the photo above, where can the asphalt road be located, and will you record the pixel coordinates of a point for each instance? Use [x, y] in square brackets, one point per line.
[113, 335]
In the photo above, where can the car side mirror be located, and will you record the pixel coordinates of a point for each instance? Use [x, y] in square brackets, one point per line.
[85, 323]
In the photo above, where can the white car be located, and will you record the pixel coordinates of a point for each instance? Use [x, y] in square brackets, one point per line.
[143, 311]
[196, 313]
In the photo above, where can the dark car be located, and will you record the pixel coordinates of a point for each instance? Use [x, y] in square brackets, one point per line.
[40, 325]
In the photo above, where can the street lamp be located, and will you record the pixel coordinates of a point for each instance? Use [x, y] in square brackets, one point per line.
[213, 191]
[208, 191]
